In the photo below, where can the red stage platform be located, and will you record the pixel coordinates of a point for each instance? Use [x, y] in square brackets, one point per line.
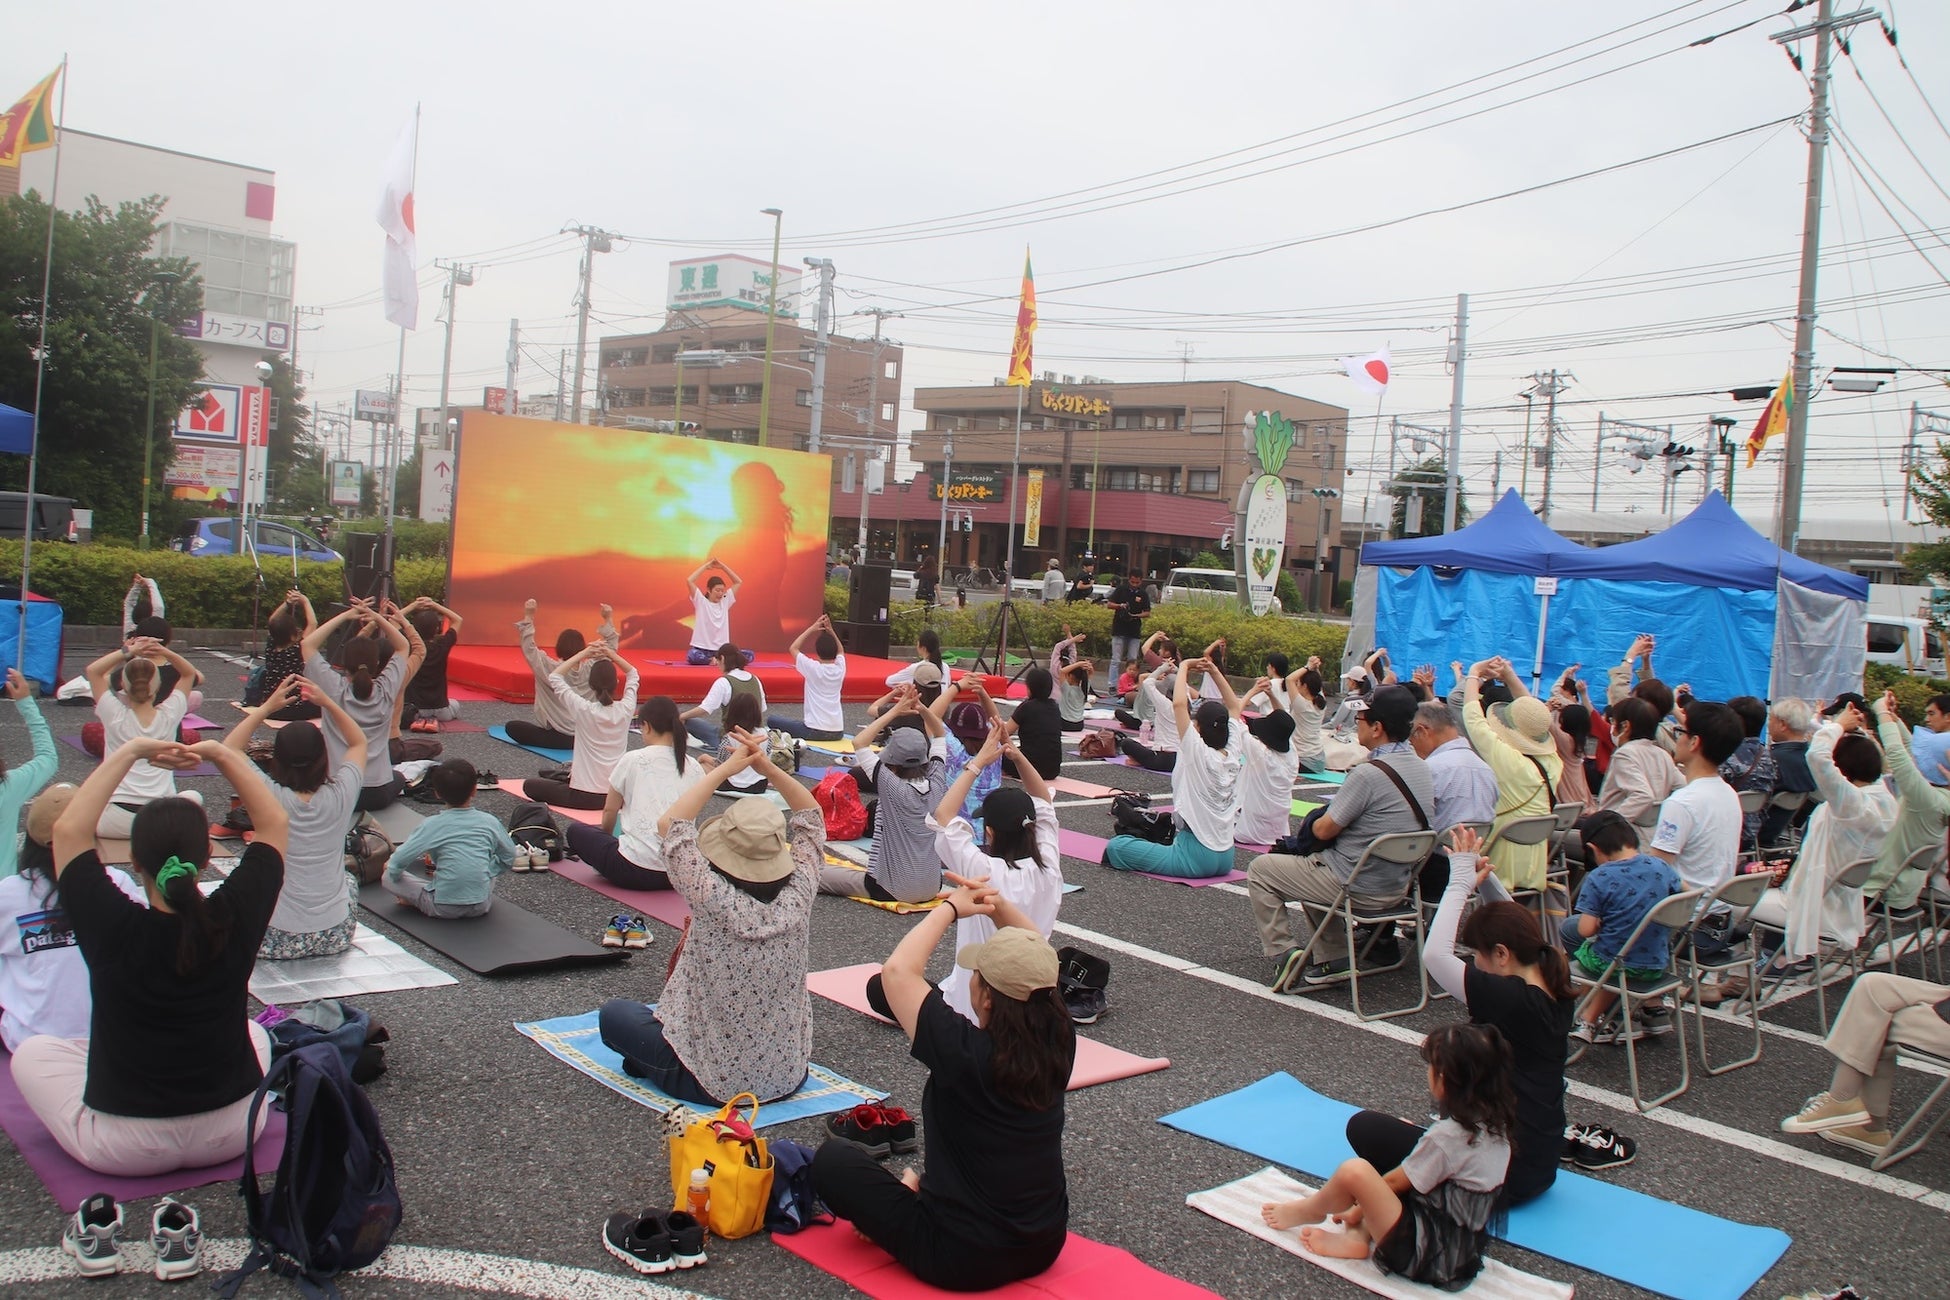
[502, 672]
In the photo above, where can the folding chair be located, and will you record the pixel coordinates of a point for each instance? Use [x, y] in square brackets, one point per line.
[1751, 802]
[1900, 1145]
[1567, 815]
[1885, 918]
[1675, 913]
[1740, 893]
[1759, 992]
[1408, 849]
[1790, 802]
[1443, 842]
[1534, 829]
[1648, 820]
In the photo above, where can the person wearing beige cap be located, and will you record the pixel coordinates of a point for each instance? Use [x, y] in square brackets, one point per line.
[734, 1016]
[1523, 754]
[991, 1205]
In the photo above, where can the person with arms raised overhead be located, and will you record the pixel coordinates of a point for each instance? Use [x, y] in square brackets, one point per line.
[426, 692]
[554, 726]
[138, 711]
[821, 718]
[1205, 790]
[366, 691]
[21, 783]
[1524, 757]
[602, 728]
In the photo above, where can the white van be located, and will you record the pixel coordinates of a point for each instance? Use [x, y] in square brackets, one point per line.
[1201, 587]
[1910, 644]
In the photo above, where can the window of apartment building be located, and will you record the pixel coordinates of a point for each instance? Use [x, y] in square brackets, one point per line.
[1208, 419]
[886, 409]
[622, 397]
[664, 354]
[735, 394]
[803, 397]
[625, 357]
[668, 396]
[963, 422]
[1122, 421]
[1296, 490]
[890, 370]
[747, 436]
[1160, 420]
[1004, 422]
[1327, 457]
[1202, 480]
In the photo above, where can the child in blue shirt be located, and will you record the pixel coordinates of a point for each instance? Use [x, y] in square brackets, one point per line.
[1611, 902]
[461, 850]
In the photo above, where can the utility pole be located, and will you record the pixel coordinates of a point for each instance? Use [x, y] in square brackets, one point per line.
[1529, 396]
[514, 358]
[561, 380]
[594, 241]
[1794, 464]
[1496, 479]
[1549, 385]
[880, 315]
[771, 327]
[941, 538]
[823, 325]
[1454, 475]
[457, 276]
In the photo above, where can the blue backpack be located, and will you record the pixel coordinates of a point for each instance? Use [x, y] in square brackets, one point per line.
[333, 1205]
[794, 1205]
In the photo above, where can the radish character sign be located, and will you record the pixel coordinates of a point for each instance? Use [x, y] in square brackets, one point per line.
[1262, 521]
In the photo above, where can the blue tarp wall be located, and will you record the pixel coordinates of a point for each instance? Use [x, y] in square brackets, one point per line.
[44, 624]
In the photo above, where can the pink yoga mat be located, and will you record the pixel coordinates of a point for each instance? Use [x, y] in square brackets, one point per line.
[1106, 724]
[587, 816]
[197, 722]
[1076, 844]
[1082, 789]
[1086, 1270]
[666, 905]
[1095, 1063]
[70, 1183]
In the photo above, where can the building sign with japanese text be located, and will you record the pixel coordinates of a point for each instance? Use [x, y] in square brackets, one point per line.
[732, 281]
[238, 331]
[976, 486]
[1074, 403]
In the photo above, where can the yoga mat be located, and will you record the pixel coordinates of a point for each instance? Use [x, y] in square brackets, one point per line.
[197, 722]
[398, 820]
[1086, 1270]
[1082, 789]
[455, 727]
[70, 1183]
[587, 816]
[575, 1042]
[844, 745]
[560, 757]
[1105, 724]
[201, 769]
[1095, 1062]
[1322, 778]
[506, 941]
[459, 694]
[1196, 882]
[1076, 844]
[1301, 807]
[1698, 1256]
[373, 964]
[241, 707]
[1237, 1203]
[666, 905]
[853, 852]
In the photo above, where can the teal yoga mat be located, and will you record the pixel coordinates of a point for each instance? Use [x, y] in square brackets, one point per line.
[575, 1041]
[561, 756]
[1608, 1229]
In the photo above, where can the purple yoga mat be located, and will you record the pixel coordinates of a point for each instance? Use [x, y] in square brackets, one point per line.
[1090, 848]
[70, 1183]
[666, 905]
[201, 769]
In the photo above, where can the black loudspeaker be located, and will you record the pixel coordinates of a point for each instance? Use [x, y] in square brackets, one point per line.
[868, 597]
[869, 639]
[367, 573]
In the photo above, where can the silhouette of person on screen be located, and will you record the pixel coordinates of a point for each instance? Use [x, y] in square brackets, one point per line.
[755, 550]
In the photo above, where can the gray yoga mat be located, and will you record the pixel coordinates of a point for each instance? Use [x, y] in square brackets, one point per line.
[506, 941]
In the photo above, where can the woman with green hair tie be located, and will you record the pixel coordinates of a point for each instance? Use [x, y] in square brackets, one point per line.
[164, 1079]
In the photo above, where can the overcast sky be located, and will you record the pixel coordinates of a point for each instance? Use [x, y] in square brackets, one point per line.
[1126, 143]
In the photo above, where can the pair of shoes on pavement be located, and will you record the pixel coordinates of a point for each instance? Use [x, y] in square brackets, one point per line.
[880, 1131]
[656, 1241]
[529, 858]
[94, 1238]
[626, 931]
[1594, 1147]
[1289, 973]
[424, 724]
[1844, 1123]
[1081, 978]
[1613, 1030]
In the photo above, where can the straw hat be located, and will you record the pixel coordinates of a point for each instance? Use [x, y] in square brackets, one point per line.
[1528, 729]
[748, 842]
[45, 810]
[1014, 962]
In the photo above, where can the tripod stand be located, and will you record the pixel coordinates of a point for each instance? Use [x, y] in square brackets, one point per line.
[1001, 624]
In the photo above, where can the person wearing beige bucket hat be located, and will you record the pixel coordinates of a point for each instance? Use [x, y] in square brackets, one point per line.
[992, 1205]
[734, 1016]
[1523, 754]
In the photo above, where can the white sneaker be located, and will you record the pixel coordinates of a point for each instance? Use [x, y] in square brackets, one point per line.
[94, 1236]
[176, 1236]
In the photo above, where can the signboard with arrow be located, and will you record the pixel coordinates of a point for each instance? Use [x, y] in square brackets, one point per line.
[437, 486]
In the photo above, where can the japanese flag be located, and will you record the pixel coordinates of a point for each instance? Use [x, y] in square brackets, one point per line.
[400, 274]
[1370, 373]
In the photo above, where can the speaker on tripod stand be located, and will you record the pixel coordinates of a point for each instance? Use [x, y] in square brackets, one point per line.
[368, 566]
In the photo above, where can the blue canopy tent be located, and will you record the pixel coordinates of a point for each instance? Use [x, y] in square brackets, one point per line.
[1734, 614]
[16, 430]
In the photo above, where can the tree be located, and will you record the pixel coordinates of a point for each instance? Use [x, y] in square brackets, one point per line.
[105, 293]
[295, 472]
[1930, 480]
[1426, 480]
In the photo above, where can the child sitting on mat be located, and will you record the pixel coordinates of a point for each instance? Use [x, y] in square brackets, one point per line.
[908, 774]
[461, 848]
[1612, 901]
[965, 708]
[1428, 1220]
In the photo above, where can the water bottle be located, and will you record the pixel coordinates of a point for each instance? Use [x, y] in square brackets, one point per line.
[697, 1199]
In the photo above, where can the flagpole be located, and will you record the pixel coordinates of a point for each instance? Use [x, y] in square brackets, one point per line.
[28, 519]
[1015, 473]
[399, 390]
[1367, 490]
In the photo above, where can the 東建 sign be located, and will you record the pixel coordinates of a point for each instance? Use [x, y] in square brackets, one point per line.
[973, 487]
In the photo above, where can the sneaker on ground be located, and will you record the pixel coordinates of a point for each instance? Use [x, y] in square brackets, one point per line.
[614, 931]
[94, 1236]
[1574, 1139]
[636, 934]
[1328, 972]
[1286, 971]
[176, 1235]
[1086, 1005]
[1618, 1031]
[1822, 1111]
[1582, 1032]
[1869, 1141]
[1656, 1021]
[686, 1239]
[642, 1243]
[1600, 1148]
[879, 1131]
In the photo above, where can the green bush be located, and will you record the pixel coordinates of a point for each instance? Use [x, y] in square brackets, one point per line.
[412, 540]
[1913, 694]
[1248, 639]
[198, 591]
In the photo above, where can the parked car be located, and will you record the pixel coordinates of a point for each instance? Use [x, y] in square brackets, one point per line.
[54, 516]
[218, 535]
[1906, 643]
[1206, 587]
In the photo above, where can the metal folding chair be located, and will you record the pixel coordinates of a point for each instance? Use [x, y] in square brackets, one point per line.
[1742, 892]
[1408, 849]
[1751, 802]
[1534, 829]
[1790, 802]
[1885, 918]
[1675, 913]
[1763, 988]
[1901, 1144]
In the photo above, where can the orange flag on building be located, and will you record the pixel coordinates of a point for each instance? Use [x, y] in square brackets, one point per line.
[1773, 420]
[29, 124]
[1019, 354]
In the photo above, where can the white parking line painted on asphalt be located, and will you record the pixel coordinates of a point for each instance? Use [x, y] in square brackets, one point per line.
[1730, 1136]
[425, 1265]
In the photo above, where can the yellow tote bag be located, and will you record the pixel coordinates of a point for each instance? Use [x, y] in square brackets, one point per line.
[739, 1163]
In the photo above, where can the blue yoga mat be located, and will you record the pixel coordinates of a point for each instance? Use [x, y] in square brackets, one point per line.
[575, 1042]
[1608, 1229]
[562, 756]
[1322, 778]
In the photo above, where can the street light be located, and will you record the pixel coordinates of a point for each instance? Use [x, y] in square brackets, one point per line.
[162, 280]
[1322, 495]
[771, 324]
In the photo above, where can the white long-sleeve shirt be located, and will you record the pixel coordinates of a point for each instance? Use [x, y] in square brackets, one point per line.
[1849, 825]
[1036, 889]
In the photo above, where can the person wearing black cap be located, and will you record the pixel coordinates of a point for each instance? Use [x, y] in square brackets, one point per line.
[314, 916]
[909, 772]
[1204, 790]
[1371, 804]
[1270, 762]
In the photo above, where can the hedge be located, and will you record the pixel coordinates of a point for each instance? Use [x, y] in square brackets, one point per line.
[198, 591]
[412, 539]
[1913, 694]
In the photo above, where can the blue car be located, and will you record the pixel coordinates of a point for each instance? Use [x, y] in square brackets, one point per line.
[218, 535]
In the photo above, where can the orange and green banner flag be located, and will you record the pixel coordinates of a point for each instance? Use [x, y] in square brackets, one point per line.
[1773, 420]
[1019, 362]
[29, 124]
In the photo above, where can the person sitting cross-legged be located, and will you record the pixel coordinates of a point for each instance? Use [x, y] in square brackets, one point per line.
[626, 849]
[1205, 789]
[461, 848]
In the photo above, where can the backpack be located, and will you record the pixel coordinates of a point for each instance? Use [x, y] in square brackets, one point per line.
[794, 1206]
[1097, 743]
[532, 826]
[333, 1205]
[838, 797]
[367, 851]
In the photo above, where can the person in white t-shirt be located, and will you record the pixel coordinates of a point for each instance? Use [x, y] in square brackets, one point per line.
[1700, 823]
[711, 602]
[822, 719]
[1204, 789]
[1270, 764]
[135, 711]
[627, 850]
